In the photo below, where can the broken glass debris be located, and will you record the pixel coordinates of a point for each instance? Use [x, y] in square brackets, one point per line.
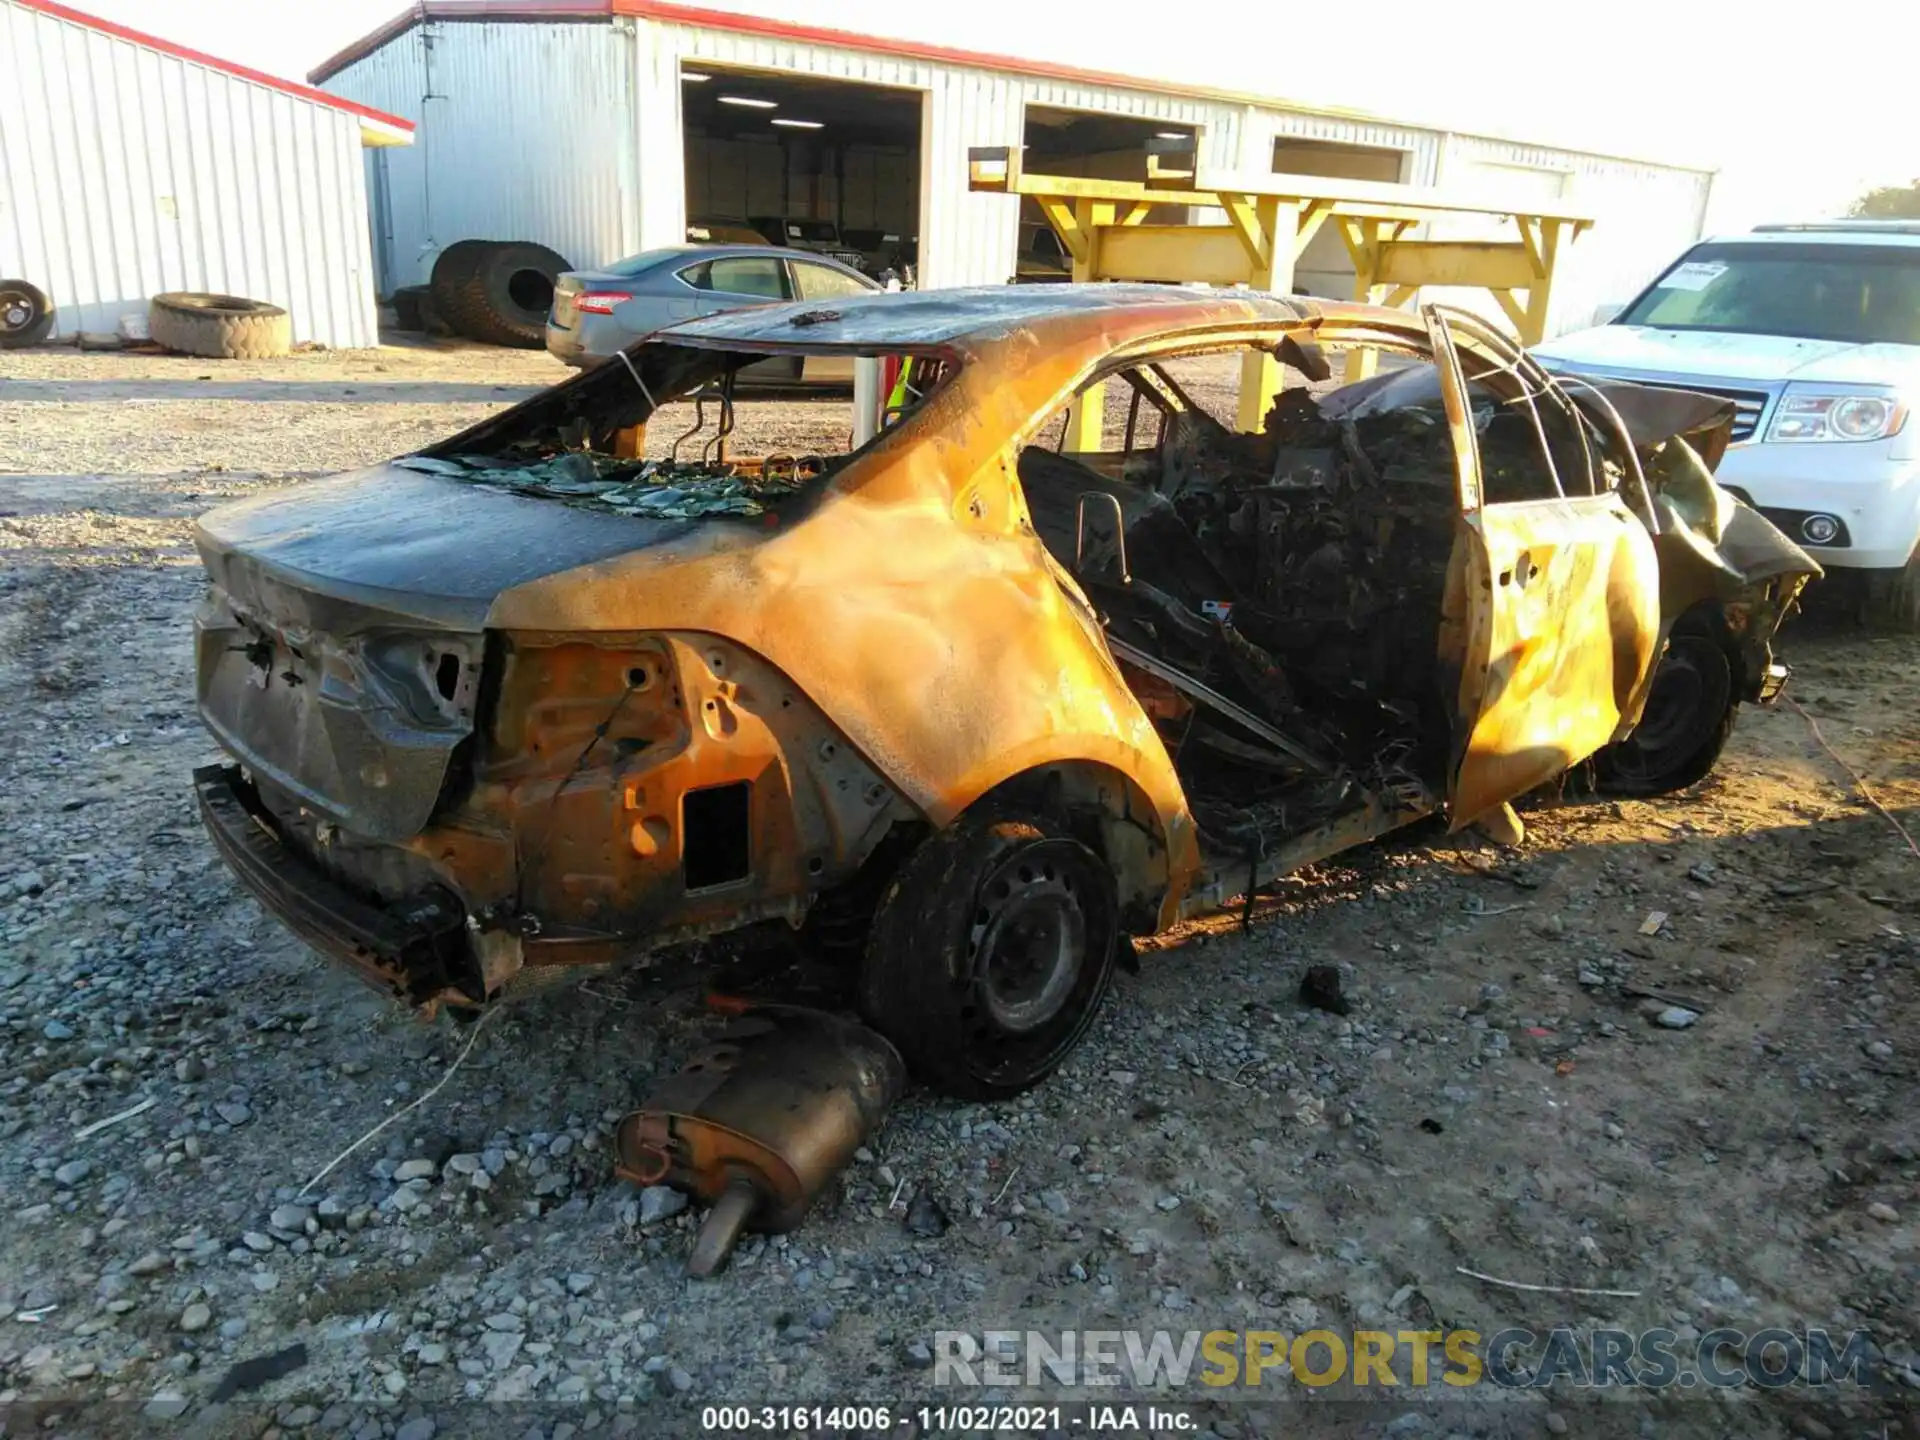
[657, 489]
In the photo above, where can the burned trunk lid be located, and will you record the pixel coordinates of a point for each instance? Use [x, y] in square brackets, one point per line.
[339, 654]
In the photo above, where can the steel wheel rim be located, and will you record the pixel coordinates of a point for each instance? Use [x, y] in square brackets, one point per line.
[16, 310]
[1029, 941]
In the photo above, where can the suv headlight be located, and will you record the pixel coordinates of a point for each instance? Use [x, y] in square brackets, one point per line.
[1810, 415]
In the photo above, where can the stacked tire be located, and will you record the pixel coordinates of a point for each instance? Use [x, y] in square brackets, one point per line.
[498, 292]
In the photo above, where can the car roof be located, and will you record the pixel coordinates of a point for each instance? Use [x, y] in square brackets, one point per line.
[919, 318]
[680, 256]
[1830, 232]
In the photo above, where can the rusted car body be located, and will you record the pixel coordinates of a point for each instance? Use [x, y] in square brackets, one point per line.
[965, 709]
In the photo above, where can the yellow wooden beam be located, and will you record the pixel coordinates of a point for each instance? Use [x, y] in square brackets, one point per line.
[1210, 254]
[1260, 374]
[1086, 420]
[1530, 241]
[1378, 196]
[1270, 220]
[1513, 309]
[1080, 187]
[1060, 215]
[1364, 244]
[1254, 238]
[1353, 236]
[1312, 216]
[998, 169]
[1495, 264]
[1533, 324]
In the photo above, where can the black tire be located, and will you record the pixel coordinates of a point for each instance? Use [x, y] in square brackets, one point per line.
[506, 294]
[452, 268]
[26, 315]
[837, 926]
[990, 953]
[219, 327]
[410, 308]
[1892, 600]
[1688, 716]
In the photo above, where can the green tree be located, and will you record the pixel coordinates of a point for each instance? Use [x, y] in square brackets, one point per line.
[1889, 202]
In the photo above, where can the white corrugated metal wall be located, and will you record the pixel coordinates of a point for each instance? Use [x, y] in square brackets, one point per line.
[1644, 215]
[523, 135]
[965, 238]
[571, 134]
[125, 172]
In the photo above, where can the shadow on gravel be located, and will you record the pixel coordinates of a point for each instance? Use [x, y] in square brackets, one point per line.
[272, 392]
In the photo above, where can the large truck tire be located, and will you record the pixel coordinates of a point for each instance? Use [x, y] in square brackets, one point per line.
[219, 327]
[451, 269]
[506, 293]
[26, 315]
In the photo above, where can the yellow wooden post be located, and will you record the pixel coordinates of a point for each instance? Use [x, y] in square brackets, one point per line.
[1105, 228]
[1362, 237]
[1086, 421]
[1274, 225]
[1532, 322]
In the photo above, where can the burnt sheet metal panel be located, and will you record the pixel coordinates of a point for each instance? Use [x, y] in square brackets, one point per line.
[126, 171]
[524, 134]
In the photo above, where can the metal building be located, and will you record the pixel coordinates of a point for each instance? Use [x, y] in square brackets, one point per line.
[603, 127]
[130, 166]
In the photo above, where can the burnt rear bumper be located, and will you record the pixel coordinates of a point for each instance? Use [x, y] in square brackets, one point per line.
[411, 949]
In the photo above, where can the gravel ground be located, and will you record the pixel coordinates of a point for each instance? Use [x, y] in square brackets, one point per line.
[1499, 1099]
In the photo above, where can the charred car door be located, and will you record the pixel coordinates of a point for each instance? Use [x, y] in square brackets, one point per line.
[1552, 611]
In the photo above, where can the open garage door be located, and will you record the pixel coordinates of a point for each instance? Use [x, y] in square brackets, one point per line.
[822, 165]
[1326, 269]
[1091, 146]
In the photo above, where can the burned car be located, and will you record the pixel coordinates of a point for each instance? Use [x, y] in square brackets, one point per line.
[964, 708]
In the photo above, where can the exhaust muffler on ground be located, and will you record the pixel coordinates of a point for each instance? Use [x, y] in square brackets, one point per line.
[759, 1122]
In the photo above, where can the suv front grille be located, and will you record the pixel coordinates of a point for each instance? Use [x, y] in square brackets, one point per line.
[1750, 406]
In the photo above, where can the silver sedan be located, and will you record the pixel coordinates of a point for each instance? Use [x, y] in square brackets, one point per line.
[599, 312]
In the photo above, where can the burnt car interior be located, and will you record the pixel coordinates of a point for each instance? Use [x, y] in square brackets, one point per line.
[1275, 599]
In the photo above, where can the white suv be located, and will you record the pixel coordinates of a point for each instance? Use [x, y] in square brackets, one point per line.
[1813, 331]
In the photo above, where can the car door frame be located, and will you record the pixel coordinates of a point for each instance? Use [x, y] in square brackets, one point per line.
[817, 369]
[775, 369]
[1551, 621]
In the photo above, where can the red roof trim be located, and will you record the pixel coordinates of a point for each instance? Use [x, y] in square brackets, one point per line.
[214, 62]
[506, 11]
[669, 12]
[673, 13]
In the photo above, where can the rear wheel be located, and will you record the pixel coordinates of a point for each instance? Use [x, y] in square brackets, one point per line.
[1688, 717]
[990, 954]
